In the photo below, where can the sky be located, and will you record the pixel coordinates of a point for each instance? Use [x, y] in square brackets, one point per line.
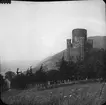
[36, 30]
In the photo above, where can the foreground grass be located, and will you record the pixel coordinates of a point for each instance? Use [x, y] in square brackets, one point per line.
[84, 94]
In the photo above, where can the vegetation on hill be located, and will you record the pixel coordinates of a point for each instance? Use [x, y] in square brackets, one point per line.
[93, 67]
[50, 62]
[2, 82]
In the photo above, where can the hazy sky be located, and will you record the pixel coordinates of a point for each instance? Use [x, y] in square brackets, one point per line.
[33, 31]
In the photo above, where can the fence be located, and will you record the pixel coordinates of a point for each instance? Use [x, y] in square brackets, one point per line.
[51, 84]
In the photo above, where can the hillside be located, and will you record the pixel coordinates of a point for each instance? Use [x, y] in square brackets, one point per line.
[50, 62]
[99, 41]
[86, 94]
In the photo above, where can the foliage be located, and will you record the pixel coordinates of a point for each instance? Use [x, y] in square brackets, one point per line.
[9, 75]
[40, 75]
[66, 70]
[21, 81]
[2, 82]
[53, 75]
[84, 69]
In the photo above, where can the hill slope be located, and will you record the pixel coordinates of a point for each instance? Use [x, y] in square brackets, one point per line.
[99, 41]
[89, 94]
[50, 62]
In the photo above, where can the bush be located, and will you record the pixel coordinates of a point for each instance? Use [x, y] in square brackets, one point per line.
[19, 82]
[3, 84]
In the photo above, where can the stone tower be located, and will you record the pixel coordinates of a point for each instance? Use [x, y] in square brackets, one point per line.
[79, 38]
[69, 45]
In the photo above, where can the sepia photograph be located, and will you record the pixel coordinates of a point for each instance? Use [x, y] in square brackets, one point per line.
[53, 52]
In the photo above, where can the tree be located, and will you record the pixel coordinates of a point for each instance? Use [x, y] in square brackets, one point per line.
[10, 75]
[71, 70]
[104, 63]
[98, 67]
[63, 68]
[28, 72]
[17, 71]
[31, 70]
[40, 75]
[81, 71]
[2, 82]
[53, 75]
[90, 70]
[19, 81]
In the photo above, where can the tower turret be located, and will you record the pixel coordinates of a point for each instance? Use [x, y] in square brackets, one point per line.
[82, 48]
[79, 38]
[69, 45]
[77, 34]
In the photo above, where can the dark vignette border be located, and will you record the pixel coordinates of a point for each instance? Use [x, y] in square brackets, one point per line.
[5, 1]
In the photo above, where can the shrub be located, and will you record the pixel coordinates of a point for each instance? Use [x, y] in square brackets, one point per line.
[19, 81]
